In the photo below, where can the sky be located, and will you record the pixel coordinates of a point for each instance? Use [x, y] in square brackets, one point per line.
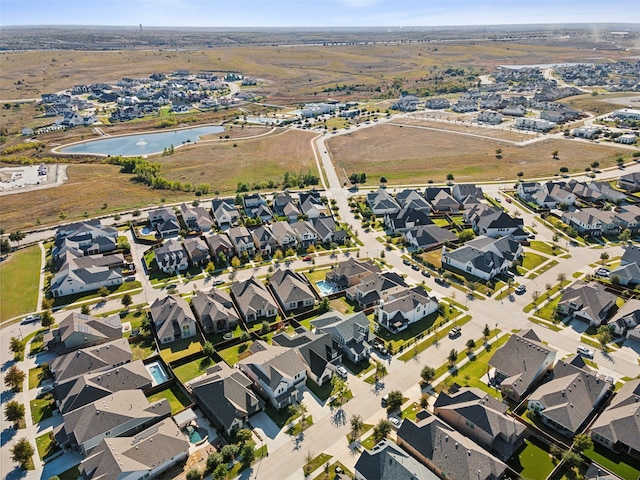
[314, 13]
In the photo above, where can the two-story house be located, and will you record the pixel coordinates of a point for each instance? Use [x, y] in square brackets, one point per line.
[171, 257]
[253, 300]
[172, 319]
[292, 290]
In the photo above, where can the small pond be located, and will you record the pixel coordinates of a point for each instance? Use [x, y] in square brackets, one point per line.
[142, 143]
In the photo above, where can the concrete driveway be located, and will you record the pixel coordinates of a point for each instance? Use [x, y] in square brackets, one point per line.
[269, 431]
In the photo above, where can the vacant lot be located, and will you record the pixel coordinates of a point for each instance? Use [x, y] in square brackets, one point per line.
[452, 125]
[19, 276]
[415, 155]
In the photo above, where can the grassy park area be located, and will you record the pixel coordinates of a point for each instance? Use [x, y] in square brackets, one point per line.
[19, 297]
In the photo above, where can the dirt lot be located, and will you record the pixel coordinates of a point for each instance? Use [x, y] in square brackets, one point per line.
[496, 133]
[412, 155]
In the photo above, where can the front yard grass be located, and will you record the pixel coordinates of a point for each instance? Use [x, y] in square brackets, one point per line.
[233, 354]
[176, 398]
[422, 346]
[368, 442]
[20, 297]
[622, 465]
[281, 417]
[532, 461]
[72, 474]
[316, 463]
[544, 247]
[365, 428]
[42, 408]
[46, 446]
[411, 411]
[323, 392]
[36, 377]
[331, 474]
[417, 329]
[37, 344]
[181, 348]
[358, 369]
[193, 369]
[532, 260]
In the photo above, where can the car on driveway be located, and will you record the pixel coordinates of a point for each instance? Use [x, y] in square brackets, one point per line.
[584, 351]
[520, 289]
[603, 272]
[380, 347]
[415, 267]
[406, 262]
[395, 422]
[342, 372]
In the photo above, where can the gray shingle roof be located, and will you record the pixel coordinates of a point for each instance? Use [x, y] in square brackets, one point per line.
[290, 286]
[386, 461]
[91, 359]
[252, 296]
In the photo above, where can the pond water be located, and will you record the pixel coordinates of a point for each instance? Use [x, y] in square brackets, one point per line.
[142, 143]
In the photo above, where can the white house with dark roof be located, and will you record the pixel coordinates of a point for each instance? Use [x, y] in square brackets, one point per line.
[172, 319]
[630, 182]
[264, 240]
[483, 257]
[91, 359]
[196, 217]
[618, 426]
[292, 290]
[305, 233]
[225, 212]
[589, 302]
[214, 311]
[381, 202]
[72, 279]
[253, 300]
[277, 373]
[351, 333]
[171, 257]
[165, 222]
[376, 287]
[311, 204]
[411, 198]
[567, 399]
[534, 360]
[406, 219]
[285, 236]
[242, 240]
[386, 461]
[400, 309]
[428, 237]
[147, 454]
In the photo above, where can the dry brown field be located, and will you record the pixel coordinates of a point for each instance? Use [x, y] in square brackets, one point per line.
[498, 134]
[412, 155]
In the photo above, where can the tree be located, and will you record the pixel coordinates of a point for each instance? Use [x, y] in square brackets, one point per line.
[424, 400]
[16, 237]
[229, 452]
[471, 344]
[103, 292]
[383, 180]
[14, 411]
[356, 426]
[604, 256]
[486, 332]
[208, 349]
[382, 430]
[220, 473]
[498, 153]
[555, 450]
[620, 161]
[22, 452]
[248, 453]
[235, 262]
[85, 309]
[604, 336]
[381, 369]
[16, 346]
[339, 388]
[194, 474]
[595, 164]
[127, 300]
[520, 175]
[582, 442]
[450, 177]
[564, 170]
[395, 400]
[243, 435]
[5, 246]
[213, 460]
[625, 235]
[466, 235]
[554, 154]
[14, 378]
[46, 320]
[145, 325]
[323, 306]
[427, 374]
[571, 459]
[453, 357]
[562, 277]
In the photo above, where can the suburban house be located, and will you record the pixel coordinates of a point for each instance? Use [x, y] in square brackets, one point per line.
[145, 455]
[517, 378]
[375, 288]
[120, 414]
[446, 452]
[225, 396]
[305, 233]
[218, 244]
[441, 200]
[462, 191]
[428, 237]
[592, 221]
[482, 418]
[386, 461]
[91, 359]
[89, 237]
[224, 212]
[483, 257]
[285, 206]
[400, 309]
[71, 279]
[252, 202]
[171, 257]
[214, 311]
[568, 398]
[626, 319]
[618, 428]
[311, 204]
[493, 222]
[292, 290]
[285, 235]
[489, 116]
[165, 222]
[351, 333]
[411, 198]
[172, 319]
[276, 373]
[327, 231]
[381, 202]
[253, 300]
[80, 331]
[628, 272]
[264, 240]
[242, 240]
[407, 218]
[589, 302]
[547, 195]
[437, 103]
[80, 391]
[535, 124]
[351, 272]
[318, 351]
[514, 110]
[197, 251]
[196, 218]
[630, 182]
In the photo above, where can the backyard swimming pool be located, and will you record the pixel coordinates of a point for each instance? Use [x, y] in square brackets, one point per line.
[326, 288]
[157, 372]
[142, 143]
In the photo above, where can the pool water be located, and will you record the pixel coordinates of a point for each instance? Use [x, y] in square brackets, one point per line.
[196, 435]
[325, 287]
[157, 373]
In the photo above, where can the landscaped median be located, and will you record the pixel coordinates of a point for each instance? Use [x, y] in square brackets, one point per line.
[430, 340]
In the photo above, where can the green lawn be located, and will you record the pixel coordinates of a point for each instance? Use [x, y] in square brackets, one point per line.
[368, 442]
[193, 369]
[231, 355]
[365, 428]
[36, 377]
[297, 428]
[547, 310]
[420, 347]
[322, 392]
[46, 446]
[42, 408]
[316, 462]
[532, 260]
[177, 399]
[143, 347]
[114, 292]
[421, 327]
[358, 369]
[411, 411]
[623, 466]
[544, 247]
[280, 417]
[72, 474]
[181, 348]
[37, 344]
[331, 474]
[20, 297]
[532, 461]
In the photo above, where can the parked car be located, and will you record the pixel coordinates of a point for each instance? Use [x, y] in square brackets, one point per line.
[218, 281]
[341, 371]
[454, 332]
[520, 289]
[508, 200]
[425, 273]
[406, 262]
[380, 347]
[30, 319]
[498, 199]
[441, 280]
[307, 258]
[384, 400]
[395, 422]
[587, 352]
[415, 267]
[603, 272]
